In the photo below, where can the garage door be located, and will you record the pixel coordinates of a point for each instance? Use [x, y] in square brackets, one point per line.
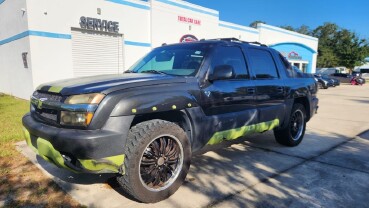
[96, 53]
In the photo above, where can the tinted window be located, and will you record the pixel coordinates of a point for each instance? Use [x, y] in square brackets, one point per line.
[180, 60]
[263, 64]
[231, 56]
[287, 66]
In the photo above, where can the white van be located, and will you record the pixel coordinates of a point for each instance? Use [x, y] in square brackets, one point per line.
[364, 70]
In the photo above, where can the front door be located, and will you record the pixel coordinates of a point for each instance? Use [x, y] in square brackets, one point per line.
[228, 104]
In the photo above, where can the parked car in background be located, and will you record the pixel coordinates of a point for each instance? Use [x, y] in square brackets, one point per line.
[298, 73]
[363, 71]
[322, 82]
[344, 78]
[335, 81]
[327, 71]
[357, 80]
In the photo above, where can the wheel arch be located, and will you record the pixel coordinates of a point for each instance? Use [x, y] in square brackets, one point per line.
[305, 102]
[176, 116]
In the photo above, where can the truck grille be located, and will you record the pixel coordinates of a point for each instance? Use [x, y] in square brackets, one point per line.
[49, 116]
[44, 114]
[47, 96]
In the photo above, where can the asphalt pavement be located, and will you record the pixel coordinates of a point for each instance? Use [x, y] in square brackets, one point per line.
[330, 168]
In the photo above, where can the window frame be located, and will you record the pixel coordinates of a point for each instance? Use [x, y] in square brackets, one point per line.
[244, 60]
[290, 72]
[273, 60]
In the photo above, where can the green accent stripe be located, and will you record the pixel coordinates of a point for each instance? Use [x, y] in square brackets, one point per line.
[46, 150]
[27, 137]
[231, 134]
[110, 164]
[55, 89]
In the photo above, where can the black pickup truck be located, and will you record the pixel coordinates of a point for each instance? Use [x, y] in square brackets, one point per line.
[145, 124]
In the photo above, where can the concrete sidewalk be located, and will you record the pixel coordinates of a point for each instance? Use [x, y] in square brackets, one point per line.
[330, 168]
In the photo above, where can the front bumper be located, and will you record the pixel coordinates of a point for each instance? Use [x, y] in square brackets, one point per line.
[94, 151]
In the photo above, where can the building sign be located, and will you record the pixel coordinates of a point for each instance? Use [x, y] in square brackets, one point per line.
[189, 20]
[294, 55]
[90, 23]
[188, 38]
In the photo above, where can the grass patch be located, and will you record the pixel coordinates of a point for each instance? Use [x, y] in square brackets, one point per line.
[11, 112]
[22, 184]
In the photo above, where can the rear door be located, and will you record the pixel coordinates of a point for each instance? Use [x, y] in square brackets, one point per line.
[270, 87]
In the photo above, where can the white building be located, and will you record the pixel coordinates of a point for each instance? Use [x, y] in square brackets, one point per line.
[47, 40]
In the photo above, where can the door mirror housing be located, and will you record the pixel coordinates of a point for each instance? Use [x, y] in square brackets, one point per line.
[221, 72]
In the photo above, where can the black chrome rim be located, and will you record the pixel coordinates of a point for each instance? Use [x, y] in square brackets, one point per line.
[161, 163]
[297, 124]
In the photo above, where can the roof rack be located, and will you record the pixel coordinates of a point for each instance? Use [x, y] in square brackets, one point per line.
[240, 41]
[257, 43]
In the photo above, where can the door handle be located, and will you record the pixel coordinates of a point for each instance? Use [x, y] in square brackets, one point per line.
[250, 91]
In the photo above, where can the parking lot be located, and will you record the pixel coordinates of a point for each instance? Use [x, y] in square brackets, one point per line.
[330, 168]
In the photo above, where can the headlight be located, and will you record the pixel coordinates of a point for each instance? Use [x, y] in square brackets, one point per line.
[93, 98]
[316, 79]
[69, 118]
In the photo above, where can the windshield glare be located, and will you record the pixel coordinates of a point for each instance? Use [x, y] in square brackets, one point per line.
[179, 60]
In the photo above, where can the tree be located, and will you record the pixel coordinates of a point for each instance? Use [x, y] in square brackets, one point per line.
[339, 46]
[326, 53]
[303, 29]
[288, 27]
[254, 24]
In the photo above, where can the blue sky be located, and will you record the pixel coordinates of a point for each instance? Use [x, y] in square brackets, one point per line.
[352, 15]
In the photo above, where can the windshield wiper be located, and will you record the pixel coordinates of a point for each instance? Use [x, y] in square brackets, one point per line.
[153, 71]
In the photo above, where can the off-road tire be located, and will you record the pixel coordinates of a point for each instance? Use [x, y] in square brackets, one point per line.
[139, 137]
[285, 136]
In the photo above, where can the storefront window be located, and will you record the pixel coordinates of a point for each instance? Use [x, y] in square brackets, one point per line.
[304, 68]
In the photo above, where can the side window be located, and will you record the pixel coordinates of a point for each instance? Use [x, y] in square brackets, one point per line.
[289, 71]
[231, 56]
[263, 64]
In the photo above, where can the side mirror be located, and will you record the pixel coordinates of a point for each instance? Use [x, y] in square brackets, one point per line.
[221, 72]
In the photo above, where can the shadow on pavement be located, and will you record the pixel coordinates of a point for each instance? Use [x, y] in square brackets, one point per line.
[234, 167]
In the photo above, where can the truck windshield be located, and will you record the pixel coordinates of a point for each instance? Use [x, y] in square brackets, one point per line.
[178, 60]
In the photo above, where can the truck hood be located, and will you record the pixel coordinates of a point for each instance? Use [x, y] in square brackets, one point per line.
[107, 83]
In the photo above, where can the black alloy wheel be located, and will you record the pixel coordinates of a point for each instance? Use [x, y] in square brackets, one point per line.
[293, 132]
[161, 162]
[297, 124]
[157, 160]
